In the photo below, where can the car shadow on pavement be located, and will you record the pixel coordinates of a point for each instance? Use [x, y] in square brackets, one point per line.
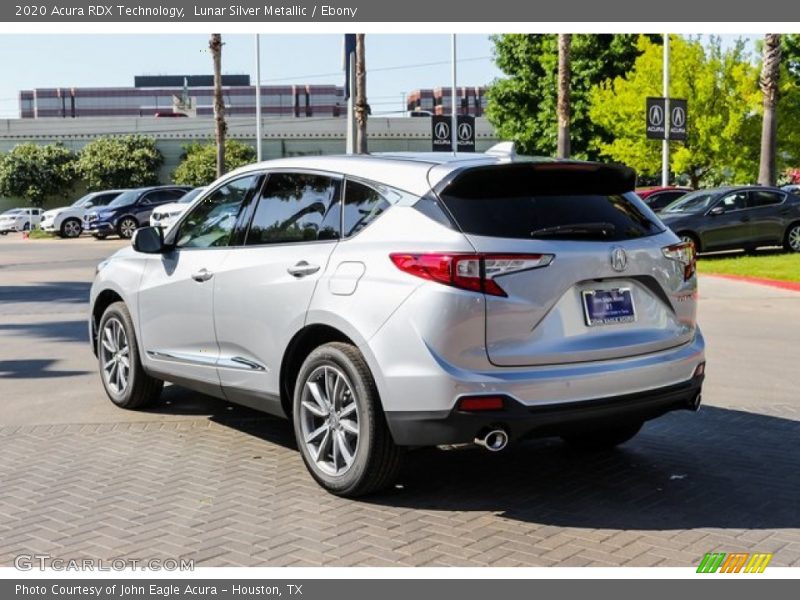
[719, 468]
[34, 368]
[76, 292]
[52, 331]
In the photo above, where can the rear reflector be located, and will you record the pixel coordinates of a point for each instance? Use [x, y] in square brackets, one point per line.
[480, 403]
[474, 272]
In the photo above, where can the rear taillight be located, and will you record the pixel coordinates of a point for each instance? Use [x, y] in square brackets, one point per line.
[685, 254]
[475, 272]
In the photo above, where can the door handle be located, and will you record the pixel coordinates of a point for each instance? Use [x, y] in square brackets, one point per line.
[202, 275]
[302, 269]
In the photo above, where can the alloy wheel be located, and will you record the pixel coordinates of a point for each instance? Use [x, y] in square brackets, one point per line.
[72, 229]
[794, 238]
[127, 227]
[115, 356]
[329, 420]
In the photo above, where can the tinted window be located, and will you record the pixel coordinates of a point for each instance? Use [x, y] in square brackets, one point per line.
[552, 216]
[296, 207]
[695, 202]
[162, 196]
[210, 223]
[124, 199]
[103, 199]
[362, 204]
[758, 199]
[662, 199]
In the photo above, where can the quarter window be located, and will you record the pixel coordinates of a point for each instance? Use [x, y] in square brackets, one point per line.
[296, 207]
[362, 205]
[211, 222]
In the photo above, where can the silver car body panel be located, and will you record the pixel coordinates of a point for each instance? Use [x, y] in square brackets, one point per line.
[427, 344]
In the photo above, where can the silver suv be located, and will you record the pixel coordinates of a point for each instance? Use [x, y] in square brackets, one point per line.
[393, 301]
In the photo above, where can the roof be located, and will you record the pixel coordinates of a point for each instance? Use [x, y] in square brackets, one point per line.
[414, 172]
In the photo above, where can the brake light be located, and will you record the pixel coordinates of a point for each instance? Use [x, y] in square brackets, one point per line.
[684, 253]
[474, 272]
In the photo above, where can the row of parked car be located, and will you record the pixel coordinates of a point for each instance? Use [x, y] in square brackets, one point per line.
[110, 212]
[721, 218]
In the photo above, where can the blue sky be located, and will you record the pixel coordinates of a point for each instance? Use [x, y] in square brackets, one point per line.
[396, 63]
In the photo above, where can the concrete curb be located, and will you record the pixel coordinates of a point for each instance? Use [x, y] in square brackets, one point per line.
[793, 286]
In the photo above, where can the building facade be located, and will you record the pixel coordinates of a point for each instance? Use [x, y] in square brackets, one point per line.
[157, 95]
[471, 100]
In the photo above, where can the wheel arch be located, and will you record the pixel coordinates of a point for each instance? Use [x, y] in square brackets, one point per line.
[694, 235]
[103, 300]
[303, 342]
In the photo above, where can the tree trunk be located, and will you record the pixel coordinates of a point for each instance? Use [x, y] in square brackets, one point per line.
[215, 45]
[563, 106]
[360, 105]
[770, 74]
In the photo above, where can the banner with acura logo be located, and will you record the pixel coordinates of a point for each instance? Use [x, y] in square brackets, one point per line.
[440, 133]
[657, 118]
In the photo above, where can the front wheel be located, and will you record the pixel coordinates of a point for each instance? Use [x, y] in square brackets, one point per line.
[603, 439]
[792, 242]
[126, 228]
[71, 228]
[339, 423]
[124, 379]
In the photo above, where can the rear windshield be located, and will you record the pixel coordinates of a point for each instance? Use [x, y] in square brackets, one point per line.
[513, 207]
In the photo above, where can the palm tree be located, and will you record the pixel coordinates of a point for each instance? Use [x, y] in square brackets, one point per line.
[215, 45]
[361, 107]
[770, 74]
[563, 106]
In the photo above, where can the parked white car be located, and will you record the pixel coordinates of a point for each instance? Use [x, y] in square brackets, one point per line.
[164, 216]
[20, 219]
[67, 221]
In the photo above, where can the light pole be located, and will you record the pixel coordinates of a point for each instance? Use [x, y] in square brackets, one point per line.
[258, 97]
[454, 114]
[667, 117]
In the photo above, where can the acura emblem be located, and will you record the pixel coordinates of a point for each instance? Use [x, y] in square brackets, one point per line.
[619, 260]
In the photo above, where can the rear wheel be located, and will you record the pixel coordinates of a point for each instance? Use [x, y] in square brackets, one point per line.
[690, 237]
[126, 227]
[26, 226]
[71, 228]
[339, 424]
[792, 240]
[124, 379]
[601, 439]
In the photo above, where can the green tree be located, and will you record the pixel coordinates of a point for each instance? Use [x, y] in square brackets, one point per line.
[721, 87]
[120, 162]
[199, 162]
[36, 173]
[522, 106]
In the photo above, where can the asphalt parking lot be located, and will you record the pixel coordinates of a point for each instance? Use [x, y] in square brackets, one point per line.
[198, 478]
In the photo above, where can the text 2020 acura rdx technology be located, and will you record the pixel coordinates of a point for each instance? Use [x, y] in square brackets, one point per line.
[395, 301]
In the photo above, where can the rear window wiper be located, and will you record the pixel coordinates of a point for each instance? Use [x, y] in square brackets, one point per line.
[605, 229]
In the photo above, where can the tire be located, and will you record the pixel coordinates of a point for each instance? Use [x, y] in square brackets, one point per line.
[126, 227]
[127, 387]
[27, 226]
[70, 228]
[375, 460]
[690, 237]
[603, 439]
[791, 240]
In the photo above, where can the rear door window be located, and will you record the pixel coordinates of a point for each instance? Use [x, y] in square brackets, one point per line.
[362, 205]
[760, 199]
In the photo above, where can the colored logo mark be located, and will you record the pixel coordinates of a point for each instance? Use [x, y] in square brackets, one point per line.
[737, 562]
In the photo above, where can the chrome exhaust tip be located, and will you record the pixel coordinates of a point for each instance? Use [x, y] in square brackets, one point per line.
[494, 440]
[695, 402]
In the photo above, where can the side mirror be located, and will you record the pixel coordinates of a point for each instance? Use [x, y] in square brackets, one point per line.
[149, 240]
[716, 211]
[88, 205]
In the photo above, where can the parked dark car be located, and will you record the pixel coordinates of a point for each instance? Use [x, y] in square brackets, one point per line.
[131, 210]
[658, 198]
[736, 217]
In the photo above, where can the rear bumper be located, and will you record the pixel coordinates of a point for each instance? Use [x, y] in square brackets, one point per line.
[430, 428]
